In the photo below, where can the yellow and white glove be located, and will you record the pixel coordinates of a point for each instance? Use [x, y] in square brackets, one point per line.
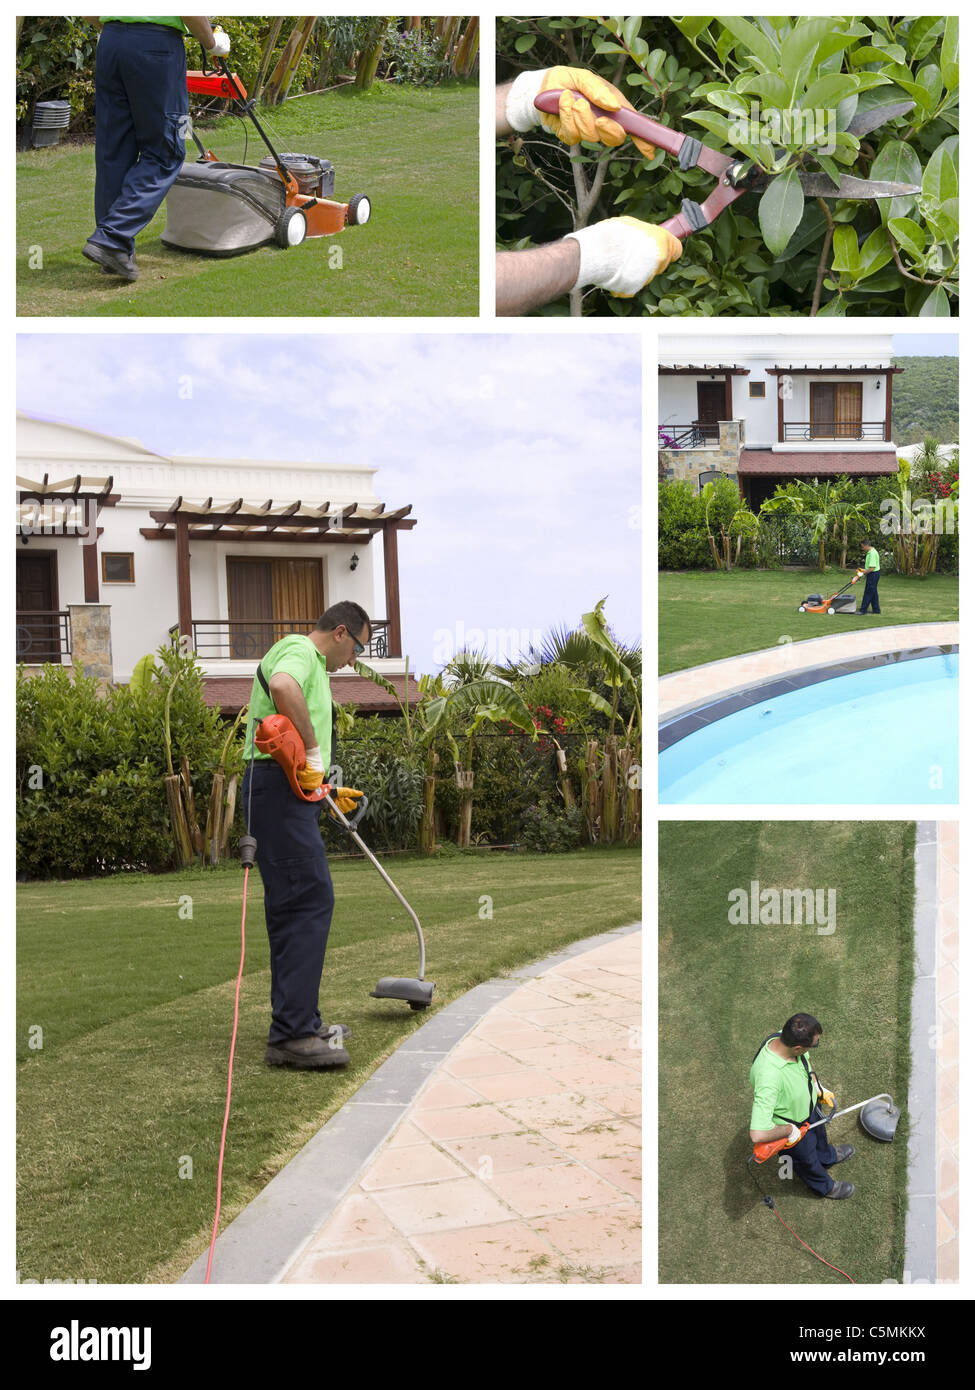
[827, 1097]
[622, 255]
[345, 799]
[575, 120]
[312, 772]
[221, 43]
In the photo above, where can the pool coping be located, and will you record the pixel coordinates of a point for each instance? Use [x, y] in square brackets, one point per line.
[270, 1232]
[921, 1222]
[680, 723]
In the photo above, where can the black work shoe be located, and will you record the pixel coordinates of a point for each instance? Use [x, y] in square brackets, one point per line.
[339, 1031]
[115, 262]
[843, 1152]
[840, 1190]
[309, 1054]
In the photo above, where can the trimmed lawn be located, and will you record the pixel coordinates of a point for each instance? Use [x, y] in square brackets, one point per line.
[413, 151]
[136, 1007]
[724, 988]
[707, 615]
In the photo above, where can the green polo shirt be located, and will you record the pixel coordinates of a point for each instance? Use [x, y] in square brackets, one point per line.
[871, 561]
[171, 21]
[781, 1091]
[297, 656]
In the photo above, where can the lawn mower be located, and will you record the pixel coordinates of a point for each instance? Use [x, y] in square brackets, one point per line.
[840, 602]
[220, 209]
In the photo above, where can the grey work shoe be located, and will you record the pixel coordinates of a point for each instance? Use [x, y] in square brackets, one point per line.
[309, 1054]
[114, 262]
[840, 1190]
[843, 1152]
[339, 1031]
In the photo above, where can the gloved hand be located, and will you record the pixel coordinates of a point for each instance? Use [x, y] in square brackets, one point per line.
[795, 1134]
[827, 1097]
[345, 799]
[622, 255]
[575, 120]
[311, 774]
[221, 44]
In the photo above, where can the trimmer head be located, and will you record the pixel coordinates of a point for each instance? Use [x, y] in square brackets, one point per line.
[879, 1118]
[417, 993]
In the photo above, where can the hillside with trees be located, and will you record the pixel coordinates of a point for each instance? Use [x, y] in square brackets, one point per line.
[926, 399]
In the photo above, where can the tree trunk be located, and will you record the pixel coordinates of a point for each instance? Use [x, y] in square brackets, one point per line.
[269, 48]
[189, 800]
[467, 49]
[592, 790]
[427, 837]
[229, 807]
[365, 73]
[631, 795]
[568, 795]
[177, 821]
[284, 72]
[609, 818]
[215, 817]
[465, 781]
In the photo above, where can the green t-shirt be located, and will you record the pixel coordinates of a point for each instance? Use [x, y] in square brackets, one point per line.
[871, 561]
[171, 21]
[781, 1091]
[297, 656]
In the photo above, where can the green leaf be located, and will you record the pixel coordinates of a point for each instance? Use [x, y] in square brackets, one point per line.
[827, 92]
[780, 210]
[631, 27]
[920, 39]
[526, 41]
[834, 308]
[710, 120]
[945, 220]
[940, 178]
[908, 235]
[654, 62]
[846, 252]
[936, 305]
[692, 27]
[753, 40]
[949, 53]
[875, 253]
[930, 79]
[729, 101]
[828, 167]
[836, 43]
[799, 50]
[607, 47]
[896, 163]
[767, 85]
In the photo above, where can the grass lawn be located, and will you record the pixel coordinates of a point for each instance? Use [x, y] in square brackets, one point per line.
[706, 615]
[724, 988]
[136, 1007]
[413, 151]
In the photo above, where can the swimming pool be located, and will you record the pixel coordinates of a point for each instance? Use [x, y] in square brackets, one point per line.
[884, 732]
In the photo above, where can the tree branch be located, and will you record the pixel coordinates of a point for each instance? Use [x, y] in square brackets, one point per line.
[906, 273]
[823, 256]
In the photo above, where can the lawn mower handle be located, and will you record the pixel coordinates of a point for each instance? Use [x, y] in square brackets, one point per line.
[240, 96]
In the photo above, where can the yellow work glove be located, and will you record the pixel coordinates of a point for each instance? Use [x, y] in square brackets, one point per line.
[827, 1097]
[575, 120]
[622, 255]
[309, 777]
[345, 799]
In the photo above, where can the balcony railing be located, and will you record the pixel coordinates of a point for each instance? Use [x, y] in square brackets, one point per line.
[834, 429]
[696, 435]
[247, 639]
[43, 635]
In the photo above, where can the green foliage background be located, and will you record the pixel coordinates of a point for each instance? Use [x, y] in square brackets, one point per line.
[893, 257]
[925, 399]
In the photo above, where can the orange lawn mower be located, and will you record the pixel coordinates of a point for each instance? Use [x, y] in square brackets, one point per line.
[220, 209]
[840, 602]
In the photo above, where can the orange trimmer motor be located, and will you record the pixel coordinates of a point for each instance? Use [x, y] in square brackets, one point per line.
[279, 739]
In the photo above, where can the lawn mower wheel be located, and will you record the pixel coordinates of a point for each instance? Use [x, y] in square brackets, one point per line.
[292, 228]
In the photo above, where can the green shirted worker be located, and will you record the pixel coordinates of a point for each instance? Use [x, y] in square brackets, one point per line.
[786, 1094]
[871, 566]
[298, 895]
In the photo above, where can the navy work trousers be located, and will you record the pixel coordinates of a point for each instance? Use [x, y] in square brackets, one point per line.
[812, 1156]
[298, 896]
[870, 597]
[141, 107]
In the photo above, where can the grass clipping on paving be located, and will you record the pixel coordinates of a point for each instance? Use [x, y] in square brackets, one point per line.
[412, 151]
[120, 1110]
[723, 989]
[708, 615]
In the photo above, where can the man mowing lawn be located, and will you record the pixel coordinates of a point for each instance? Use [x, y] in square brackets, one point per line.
[787, 1095]
[871, 564]
[292, 680]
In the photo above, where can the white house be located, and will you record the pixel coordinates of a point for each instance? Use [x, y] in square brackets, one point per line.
[120, 549]
[767, 408]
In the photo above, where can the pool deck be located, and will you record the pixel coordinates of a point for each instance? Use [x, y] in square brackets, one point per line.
[684, 690]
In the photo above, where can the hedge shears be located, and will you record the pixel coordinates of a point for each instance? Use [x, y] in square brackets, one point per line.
[736, 175]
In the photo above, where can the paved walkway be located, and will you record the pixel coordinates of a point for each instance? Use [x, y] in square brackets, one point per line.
[948, 1007]
[698, 684]
[519, 1160]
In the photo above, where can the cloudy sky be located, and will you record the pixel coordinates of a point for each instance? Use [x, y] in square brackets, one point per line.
[520, 454]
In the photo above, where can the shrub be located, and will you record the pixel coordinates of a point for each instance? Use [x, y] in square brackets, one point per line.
[551, 831]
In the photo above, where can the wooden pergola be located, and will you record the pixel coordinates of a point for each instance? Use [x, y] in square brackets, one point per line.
[715, 370]
[865, 370]
[289, 523]
[69, 492]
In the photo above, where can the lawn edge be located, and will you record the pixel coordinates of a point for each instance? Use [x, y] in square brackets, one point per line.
[268, 1235]
[921, 1220]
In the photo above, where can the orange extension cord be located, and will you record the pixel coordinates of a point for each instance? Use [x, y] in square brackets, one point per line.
[772, 1207]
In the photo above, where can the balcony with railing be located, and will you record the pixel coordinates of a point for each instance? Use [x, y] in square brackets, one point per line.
[699, 434]
[248, 639]
[43, 636]
[796, 430]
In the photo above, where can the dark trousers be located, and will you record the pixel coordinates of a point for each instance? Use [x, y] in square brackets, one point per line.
[812, 1156]
[140, 122]
[870, 598]
[298, 896]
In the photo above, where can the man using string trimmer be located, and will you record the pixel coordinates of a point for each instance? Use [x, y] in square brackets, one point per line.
[292, 680]
[788, 1099]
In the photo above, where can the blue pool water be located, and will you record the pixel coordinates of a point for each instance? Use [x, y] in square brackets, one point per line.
[887, 734]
